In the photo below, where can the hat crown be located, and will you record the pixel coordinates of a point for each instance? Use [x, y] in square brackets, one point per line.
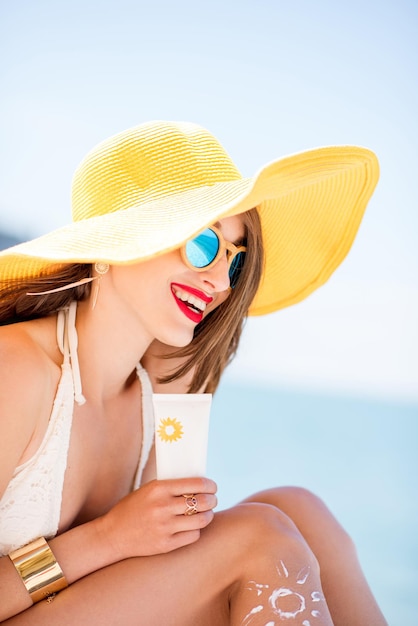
[145, 163]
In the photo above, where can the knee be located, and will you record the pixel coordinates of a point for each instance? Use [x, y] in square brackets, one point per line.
[262, 519]
[289, 498]
[313, 508]
[311, 515]
[299, 497]
[263, 529]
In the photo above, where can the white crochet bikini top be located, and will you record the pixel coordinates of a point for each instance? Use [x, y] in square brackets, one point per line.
[31, 505]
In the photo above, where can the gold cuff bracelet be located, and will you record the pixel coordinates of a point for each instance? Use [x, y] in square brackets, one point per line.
[39, 570]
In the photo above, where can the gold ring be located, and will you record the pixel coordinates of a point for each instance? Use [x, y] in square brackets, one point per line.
[191, 503]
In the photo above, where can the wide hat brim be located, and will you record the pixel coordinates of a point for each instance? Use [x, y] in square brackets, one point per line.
[310, 206]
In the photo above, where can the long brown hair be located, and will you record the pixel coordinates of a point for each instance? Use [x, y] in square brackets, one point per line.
[17, 306]
[215, 340]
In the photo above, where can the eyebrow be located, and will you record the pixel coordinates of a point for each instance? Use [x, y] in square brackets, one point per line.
[242, 241]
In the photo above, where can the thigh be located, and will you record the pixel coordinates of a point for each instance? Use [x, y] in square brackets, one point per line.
[179, 588]
[213, 581]
[185, 587]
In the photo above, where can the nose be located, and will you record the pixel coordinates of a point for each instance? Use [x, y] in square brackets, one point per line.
[218, 275]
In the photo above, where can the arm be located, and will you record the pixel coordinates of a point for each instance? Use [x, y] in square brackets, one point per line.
[22, 386]
[148, 521]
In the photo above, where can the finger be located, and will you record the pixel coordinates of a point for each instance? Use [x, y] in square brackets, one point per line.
[201, 484]
[181, 539]
[186, 523]
[186, 504]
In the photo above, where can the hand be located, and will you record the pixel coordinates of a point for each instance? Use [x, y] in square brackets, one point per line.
[151, 520]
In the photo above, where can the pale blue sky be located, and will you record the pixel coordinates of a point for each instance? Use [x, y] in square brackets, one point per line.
[268, 78]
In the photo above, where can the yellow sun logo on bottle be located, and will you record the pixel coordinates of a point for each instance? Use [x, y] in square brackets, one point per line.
[170, 429]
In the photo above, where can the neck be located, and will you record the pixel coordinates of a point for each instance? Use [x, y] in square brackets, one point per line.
[111, 342]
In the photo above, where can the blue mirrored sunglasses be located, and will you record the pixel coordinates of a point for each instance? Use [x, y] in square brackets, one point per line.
[203, 251]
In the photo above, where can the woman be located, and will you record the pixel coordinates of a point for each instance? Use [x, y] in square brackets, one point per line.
[169, 250]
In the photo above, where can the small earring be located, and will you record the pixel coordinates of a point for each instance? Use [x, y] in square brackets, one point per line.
[101, 268]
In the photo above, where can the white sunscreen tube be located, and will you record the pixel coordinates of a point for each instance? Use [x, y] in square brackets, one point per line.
[181, 433]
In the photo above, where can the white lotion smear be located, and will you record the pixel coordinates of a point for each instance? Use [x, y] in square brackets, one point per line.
[181, 433]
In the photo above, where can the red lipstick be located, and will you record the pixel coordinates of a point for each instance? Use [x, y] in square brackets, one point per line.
[187, 309]
[194, 292]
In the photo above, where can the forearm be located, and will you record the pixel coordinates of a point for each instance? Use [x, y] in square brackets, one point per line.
[79, 552]
[83, 550]
[146, 522]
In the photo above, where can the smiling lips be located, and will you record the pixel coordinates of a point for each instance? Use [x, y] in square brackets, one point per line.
[190, 301]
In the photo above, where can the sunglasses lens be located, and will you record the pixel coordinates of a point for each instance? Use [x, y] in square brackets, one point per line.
[202, 250]
[235, 268]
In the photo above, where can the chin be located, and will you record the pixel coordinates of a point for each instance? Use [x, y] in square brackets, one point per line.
[182, 344]
[176, 339]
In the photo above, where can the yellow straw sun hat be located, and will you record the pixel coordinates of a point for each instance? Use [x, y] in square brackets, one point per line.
[147, 190]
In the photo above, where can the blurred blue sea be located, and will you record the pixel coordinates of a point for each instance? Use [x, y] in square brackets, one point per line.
[359, 455]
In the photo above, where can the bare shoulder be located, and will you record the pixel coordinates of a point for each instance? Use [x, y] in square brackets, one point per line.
[24, 363]
[26, 378]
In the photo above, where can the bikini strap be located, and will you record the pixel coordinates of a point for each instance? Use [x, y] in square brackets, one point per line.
[147, 422]
[68, 343]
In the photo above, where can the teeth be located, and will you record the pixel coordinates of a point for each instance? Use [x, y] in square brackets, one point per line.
[184, 296]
